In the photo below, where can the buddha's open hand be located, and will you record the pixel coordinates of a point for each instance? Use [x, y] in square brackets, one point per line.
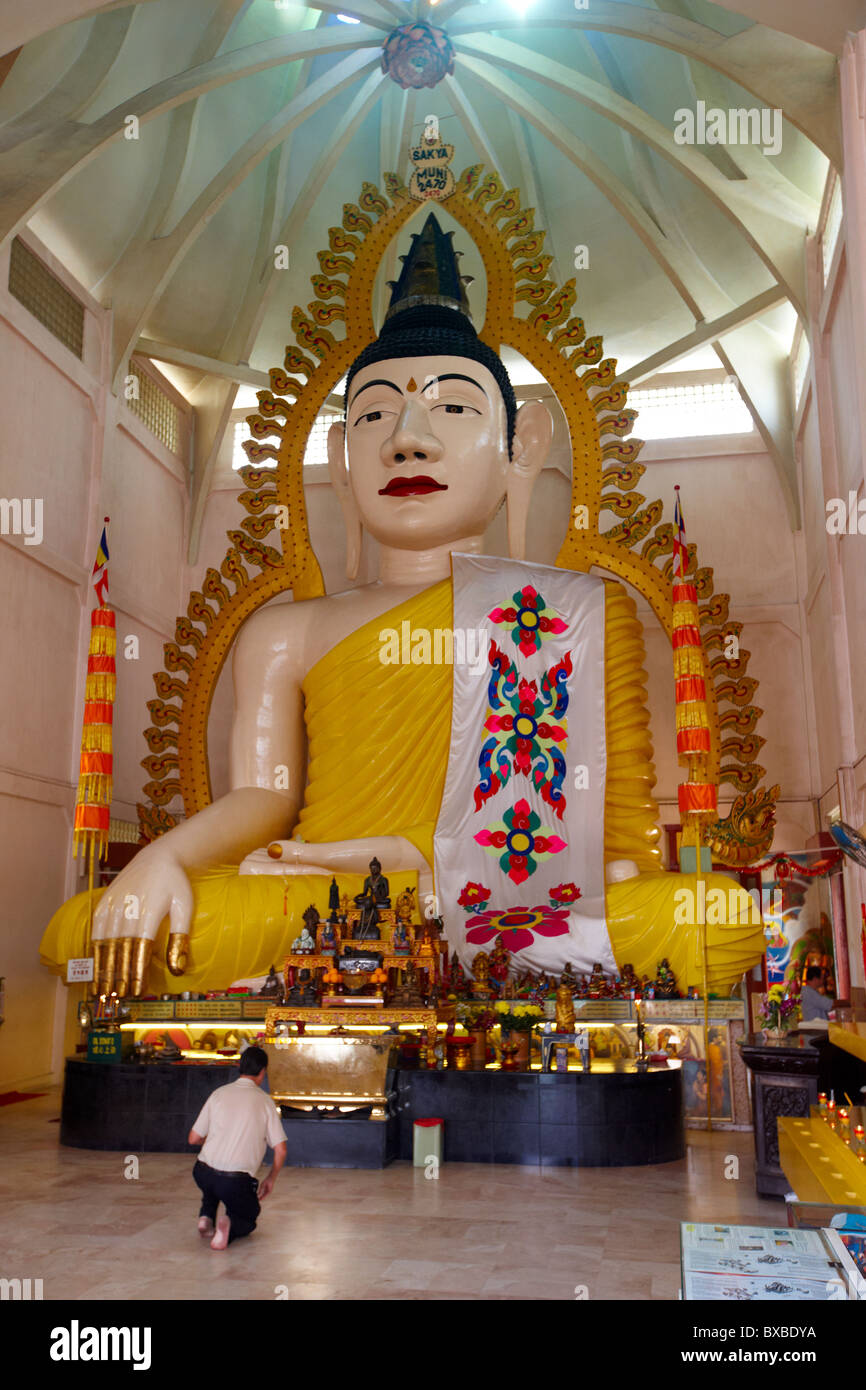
[334, 856]
[288, 857]
[394, 852]
[128, 916]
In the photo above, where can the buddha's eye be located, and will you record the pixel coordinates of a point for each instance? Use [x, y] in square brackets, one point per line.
[371, 417]
[451, 409]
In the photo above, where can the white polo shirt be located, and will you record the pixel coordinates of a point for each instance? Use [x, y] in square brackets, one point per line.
[237, 1122]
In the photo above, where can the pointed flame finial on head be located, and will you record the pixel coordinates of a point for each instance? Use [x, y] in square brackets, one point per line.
[430, 273]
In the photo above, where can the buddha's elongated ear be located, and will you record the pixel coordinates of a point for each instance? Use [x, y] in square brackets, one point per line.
[343, 488]
[533, 432]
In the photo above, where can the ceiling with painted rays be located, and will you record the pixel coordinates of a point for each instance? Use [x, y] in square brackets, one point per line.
[260, 118]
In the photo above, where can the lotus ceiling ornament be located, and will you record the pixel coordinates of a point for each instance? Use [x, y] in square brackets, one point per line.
[417, 55]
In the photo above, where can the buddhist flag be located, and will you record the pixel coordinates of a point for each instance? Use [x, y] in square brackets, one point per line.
[96, 766]
[681, 554]
[99, 577]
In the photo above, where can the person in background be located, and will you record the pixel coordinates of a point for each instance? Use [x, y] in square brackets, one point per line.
[236, 1124]
[813, 1002]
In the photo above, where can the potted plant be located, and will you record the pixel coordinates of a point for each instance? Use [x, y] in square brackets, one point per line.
[780, 1009]
[517, 1022]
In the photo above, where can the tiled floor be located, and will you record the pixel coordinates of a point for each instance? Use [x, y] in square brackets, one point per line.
[74, 1220]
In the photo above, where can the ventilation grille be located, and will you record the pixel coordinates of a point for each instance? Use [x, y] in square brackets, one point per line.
[48, 300]
[154, 409]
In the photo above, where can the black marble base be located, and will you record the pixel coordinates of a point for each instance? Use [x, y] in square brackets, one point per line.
[135, 1108]
[338, 1141]
[612, 1116]
[599, 1119]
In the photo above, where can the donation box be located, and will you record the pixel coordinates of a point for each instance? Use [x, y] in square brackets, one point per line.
[342, 1073]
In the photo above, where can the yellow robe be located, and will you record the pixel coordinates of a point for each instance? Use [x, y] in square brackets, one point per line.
[378, 739]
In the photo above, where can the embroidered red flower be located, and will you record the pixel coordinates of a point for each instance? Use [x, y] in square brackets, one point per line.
[473, 895]
[565, 893]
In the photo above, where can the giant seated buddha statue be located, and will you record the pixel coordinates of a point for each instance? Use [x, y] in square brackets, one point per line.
[504, 786]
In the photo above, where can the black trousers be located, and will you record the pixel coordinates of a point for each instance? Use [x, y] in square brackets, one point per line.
[238, 1193]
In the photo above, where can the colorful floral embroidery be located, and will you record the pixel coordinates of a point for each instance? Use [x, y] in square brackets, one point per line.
[516, 927]
[517, 834]
[564, 893]
[473, 895]
[530, 620]
[523, 731]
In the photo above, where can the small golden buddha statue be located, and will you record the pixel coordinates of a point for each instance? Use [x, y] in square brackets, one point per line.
[405, 905]
[481, 974]
[564, 1009]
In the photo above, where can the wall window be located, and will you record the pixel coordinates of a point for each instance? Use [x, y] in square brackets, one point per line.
[46, 297]
[686, 411]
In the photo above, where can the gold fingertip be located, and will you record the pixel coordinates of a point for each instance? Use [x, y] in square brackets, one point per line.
[141, 954]
[122, 968]
[104, 966]
[275, 850]
[177, 953]
[98, 966]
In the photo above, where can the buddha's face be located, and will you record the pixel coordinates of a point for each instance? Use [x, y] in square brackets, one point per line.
[427, 449]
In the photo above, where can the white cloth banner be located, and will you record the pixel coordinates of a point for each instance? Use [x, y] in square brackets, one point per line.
[519, 843]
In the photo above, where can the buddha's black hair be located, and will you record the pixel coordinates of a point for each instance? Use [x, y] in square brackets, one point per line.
[433, 330]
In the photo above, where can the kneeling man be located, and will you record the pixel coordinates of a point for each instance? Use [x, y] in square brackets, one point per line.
[235, 1126]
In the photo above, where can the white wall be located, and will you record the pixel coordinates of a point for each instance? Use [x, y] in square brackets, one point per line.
[66, 440]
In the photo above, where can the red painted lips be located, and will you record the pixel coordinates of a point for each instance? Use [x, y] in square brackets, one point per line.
[412, 487]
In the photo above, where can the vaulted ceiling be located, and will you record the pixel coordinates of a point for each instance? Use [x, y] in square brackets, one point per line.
[259, 119]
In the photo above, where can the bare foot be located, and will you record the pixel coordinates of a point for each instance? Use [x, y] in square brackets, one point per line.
[221, 1239]
[205, 1226]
